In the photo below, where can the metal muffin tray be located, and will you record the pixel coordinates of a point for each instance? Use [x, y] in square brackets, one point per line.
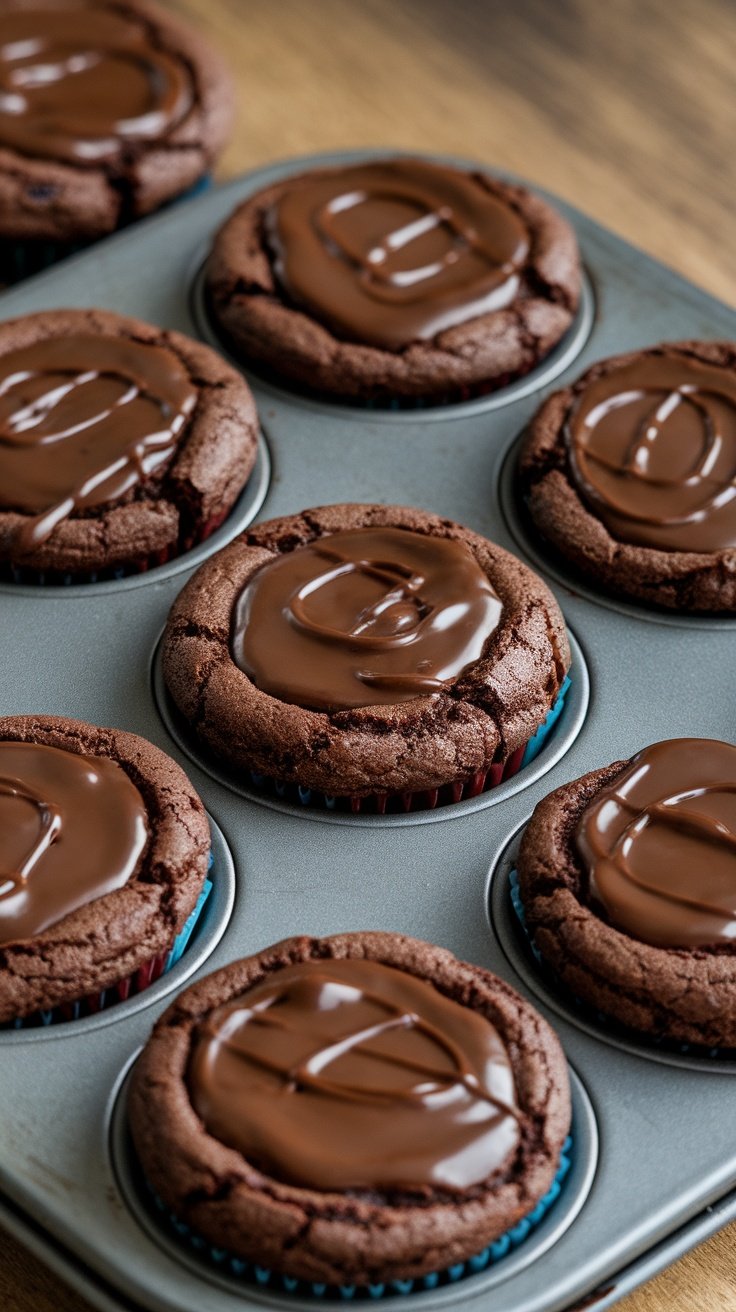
[654, 1156]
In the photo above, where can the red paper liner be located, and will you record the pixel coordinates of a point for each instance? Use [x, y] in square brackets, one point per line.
[428, 799]
[21, 574]
[424, 799]
[93, 1003]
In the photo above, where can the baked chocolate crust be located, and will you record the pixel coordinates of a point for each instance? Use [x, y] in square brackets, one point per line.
[490, 350]
[423, 743]
[685, 995]
[676, 580]
[109, 938]
[335, 1237]
[48, 200]
[211, 465]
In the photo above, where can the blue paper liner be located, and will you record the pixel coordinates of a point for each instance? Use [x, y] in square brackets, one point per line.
[424, 799]
[19, 260]
[252, 1273]
[606, 1022]
[69, 1011]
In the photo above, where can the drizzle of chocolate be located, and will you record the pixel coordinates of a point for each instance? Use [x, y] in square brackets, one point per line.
[659, 845]
[72, 828]
[78, 82]
[84, 421]
[364, 617]
[349, 1074]
[653, 451]
[395, 251]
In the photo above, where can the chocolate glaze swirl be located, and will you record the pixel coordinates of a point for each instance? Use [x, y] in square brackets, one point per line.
[72, 828]
[77, 82]
[364, 617]
[83, 421]
[351, 1075]
[659, 845]
[653, 451]
[396, 251]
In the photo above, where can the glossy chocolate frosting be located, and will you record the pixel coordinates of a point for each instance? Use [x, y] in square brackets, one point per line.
[78, 82]
[72, 828]
[351, 1075]
[653, 451]
[371, 616]
[83, 421]
[659, 845]
[396, 251]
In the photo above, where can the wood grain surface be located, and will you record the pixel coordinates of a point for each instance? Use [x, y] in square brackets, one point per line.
[626, 108]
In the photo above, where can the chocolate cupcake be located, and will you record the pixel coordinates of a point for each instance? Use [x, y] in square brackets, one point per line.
[377, 655]
[110, 110]
[631, 474]
[350, 1110]
[627, 878]
[121, 444]
[395, 280]
[104, 849]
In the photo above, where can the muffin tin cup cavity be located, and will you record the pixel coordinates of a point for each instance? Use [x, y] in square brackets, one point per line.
[191, 948]
[545, 749]
[547, 561]
[217, 534]
[510, 1254]
[506, 918]
[559, 358]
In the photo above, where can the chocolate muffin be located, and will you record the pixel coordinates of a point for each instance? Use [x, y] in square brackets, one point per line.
[104, 847]
[112, 107]
[631, 474]
[366, 652]
[286, 1108]
[394, 279]
[628, 881]
[121, 444]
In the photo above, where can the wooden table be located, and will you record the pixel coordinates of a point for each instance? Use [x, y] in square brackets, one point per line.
[624, 108]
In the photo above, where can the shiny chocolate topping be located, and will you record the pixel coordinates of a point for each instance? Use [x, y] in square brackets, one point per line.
[72, 828]
[396, 251]
[79, 82]
[659, 845]
[653, 452]
[342, 1075]
[83, 421]
[371, 616]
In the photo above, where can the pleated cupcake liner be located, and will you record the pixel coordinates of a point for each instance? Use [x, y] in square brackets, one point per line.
[609, 1023]
[254, 1274]
[19, 260]
[129, 987]
[427, 799]
[60, 578]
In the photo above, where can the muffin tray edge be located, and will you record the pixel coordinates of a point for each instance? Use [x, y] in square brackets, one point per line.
[87, 652]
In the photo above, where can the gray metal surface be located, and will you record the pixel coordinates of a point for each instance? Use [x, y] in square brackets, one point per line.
[666, 1169]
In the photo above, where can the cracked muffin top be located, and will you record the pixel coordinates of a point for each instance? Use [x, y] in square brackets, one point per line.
[350, 1109]
[120, 443]
[103, 853]
[629, 473]
[361, 649]
[628, 881]
[111, 107]
[394, 278]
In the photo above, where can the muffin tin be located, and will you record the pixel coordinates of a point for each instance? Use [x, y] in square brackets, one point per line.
[654, 1156]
